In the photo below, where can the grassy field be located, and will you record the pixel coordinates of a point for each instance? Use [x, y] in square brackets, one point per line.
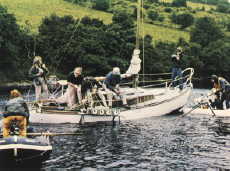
[194, 5]
[32, 12]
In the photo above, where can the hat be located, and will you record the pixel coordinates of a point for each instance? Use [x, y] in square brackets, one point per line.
[116, 71]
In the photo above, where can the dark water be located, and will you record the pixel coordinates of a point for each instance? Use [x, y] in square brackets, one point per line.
[161, 143]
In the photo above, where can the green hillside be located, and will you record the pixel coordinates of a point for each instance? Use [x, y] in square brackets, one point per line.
[30, 13]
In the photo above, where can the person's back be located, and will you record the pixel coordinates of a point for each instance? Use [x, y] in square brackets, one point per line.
[15, 110]
[112, 80]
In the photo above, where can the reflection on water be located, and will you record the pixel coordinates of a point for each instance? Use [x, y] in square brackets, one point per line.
[167, 142]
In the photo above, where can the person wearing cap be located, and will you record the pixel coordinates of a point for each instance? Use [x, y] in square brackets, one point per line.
[112, 87]
[15, 109]
[222, 91]
[176, 68]
[74, 81]
[38, 73]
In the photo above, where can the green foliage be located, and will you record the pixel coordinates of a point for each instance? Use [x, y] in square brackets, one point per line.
[12, 41]
[179, 3]
[223, 7]
[102, 5]
[206, 31]
[213, 2]
[168, 10]
[216, 58]
[66, 43]
[153, 1]
[153, 15]
[185, 19]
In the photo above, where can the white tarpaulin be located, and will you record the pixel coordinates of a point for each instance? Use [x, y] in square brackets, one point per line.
[135, 63]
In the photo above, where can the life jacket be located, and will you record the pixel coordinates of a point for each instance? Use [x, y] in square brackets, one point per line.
[15, 107]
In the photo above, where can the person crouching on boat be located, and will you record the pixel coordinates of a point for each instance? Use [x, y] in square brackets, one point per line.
[222, 87]
[112, 88]
[74, 81]
[38, 73]
[176, 68]
[16, 109]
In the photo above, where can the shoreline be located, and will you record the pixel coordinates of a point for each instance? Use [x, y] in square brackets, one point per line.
[7, 86]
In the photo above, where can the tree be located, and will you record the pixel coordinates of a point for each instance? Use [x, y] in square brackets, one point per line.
[102, 5]
[179, 3]
[185, 20]
[216, 58]
[223, 7]
[205, 32]
[11, 45]
[153, 15]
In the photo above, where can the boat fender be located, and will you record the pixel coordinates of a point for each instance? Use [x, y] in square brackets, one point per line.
[107, 111]
[94, 111]
[84, 110]
[116, 112]
[102, 112]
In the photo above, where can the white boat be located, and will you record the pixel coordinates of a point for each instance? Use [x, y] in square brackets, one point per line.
[217, 112]
[144, 102]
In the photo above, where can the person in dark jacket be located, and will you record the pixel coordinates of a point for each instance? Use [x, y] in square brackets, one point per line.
[38, 73]
[74, 81]
[15, 109]
[222, 92]
[112, 87]
[176, 68]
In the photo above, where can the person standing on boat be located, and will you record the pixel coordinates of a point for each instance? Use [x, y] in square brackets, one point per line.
[176, 68]
[38, 73]
[222, 87]
[74, 81]
[16, 109]
[112, 88]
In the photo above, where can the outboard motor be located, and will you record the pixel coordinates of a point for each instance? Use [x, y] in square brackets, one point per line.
[14, 127]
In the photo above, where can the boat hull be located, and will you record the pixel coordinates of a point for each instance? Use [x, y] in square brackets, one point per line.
[24, 152]
[165, 102]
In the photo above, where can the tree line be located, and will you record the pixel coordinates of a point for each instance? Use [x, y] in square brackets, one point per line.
[65, 42]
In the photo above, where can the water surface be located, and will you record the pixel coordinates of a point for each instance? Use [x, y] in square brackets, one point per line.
[168, 142]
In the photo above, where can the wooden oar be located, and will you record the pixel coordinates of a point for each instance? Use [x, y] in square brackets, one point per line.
[52, 133]
[199, 104]
[193, 108]
[49, 134]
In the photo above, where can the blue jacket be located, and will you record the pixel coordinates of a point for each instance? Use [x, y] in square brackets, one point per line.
[16, 107]
[112, 80]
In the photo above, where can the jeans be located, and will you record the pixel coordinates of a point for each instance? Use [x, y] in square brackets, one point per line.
[177, 74]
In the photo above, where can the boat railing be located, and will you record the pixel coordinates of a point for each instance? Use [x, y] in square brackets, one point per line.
[166, 82]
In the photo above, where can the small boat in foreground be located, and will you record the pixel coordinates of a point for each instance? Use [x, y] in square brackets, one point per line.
[29, 152]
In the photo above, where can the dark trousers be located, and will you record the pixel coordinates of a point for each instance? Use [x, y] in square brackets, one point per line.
[177, 77]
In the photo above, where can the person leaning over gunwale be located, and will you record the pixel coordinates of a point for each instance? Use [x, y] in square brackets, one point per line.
[74, 81]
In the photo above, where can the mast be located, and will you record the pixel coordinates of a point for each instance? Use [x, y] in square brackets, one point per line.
[137, 47]
[138, 24]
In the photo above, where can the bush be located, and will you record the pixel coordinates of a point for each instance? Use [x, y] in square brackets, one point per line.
[153, 15]
[161, 18]
[223, 7]
[179, 3]
[185, 20]
[102, 5]
[167, 9]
